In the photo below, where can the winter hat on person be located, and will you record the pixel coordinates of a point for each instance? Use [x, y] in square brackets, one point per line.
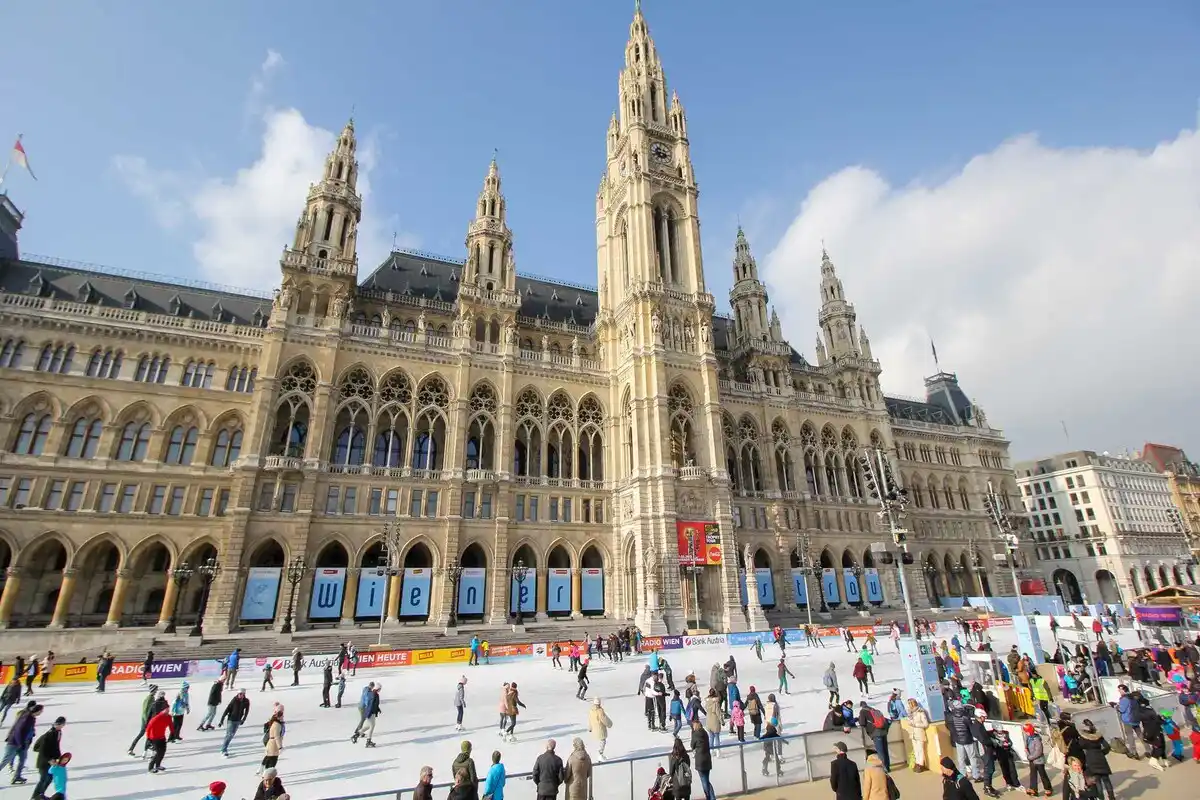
[465, 746]
[462, 679]
[1028, 728]
[596, 702]
[979, 712]
[839, 747]
[216, 788]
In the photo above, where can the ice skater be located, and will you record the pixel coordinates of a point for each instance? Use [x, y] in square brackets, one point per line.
[267, 669]
[147, 665]
[758, 648]
[154, 702]
[582, 678]
[47, 668]
[364, 702]
[784, 673]
[598, 725]
[231, 667]
[326, 684]
[214, 702]
[273, 744]
[367, 728]
[157, 731]
[848, 636]
[341, 683]
[514, 703]
[503, 710]
[555, 655]
[460, 701]
[829, 679]
[297, 663]
[179, 708]
[233, 717]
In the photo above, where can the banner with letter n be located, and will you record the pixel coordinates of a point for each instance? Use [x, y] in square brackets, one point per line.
[470, 591]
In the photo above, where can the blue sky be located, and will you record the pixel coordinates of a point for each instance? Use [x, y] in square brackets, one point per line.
[780, 96]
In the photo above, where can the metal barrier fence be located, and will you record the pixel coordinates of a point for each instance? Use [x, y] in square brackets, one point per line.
[737, 767]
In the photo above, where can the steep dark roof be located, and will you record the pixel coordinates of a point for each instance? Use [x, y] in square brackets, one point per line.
[902, 408]
[84, 283]
[437, 278]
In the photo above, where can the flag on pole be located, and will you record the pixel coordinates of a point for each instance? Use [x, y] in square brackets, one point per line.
[931, 344]
[20, 158]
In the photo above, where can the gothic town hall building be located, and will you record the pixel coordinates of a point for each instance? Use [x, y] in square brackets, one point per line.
[376, 427]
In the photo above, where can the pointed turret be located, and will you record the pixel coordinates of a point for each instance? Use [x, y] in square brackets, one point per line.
[489, 241]
[643, 85]
[327, 231]
[748, 295]
[837, 317]
[864, 344]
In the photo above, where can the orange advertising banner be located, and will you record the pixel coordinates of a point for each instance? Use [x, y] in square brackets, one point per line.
[699, 543]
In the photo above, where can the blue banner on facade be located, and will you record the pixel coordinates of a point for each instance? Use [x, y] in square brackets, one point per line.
[874, 586]
[800, 587]
[558, 590]
[327, 588]
[742, 587]
[745, 639]
[262, 590]
[830, 587]
[372, 589]
[470, 590]
[527, 591]
[591, 585]
[853, 592]
[766, 586]
[415, 591]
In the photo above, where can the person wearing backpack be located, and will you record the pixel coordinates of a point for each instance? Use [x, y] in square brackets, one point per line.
[754, 711]
[1187, 699]
[875, 725]
[679, 767]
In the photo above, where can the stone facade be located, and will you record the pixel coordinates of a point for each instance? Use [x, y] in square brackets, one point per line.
[489, 418]
[1102, 527]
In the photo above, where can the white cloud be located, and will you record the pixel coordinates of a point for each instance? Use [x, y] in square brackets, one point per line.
[1061, 284]
[241, 222]
[271, 64]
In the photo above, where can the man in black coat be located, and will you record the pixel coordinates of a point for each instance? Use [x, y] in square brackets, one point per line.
[547, 773]
[702, 758]
[49, 750]
[966, 746]
[843, 775]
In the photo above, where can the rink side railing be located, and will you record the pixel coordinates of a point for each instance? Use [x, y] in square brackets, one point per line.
[737, 768]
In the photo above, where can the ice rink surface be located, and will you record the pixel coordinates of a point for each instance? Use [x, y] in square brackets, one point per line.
[416, 726]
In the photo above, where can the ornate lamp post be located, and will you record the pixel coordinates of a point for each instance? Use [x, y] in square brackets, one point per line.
[453, 570]
[857, 571]
[993, 505]
[893, 505]
[805, 557]
[520, 572]
[208, 572]
[295, 574]
[180, 575]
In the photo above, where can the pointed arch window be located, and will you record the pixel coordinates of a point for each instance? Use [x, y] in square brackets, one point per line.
[135, 440]
[227, 448]
[181, 447]
[85, 438]
[11, 353]
[31, 438]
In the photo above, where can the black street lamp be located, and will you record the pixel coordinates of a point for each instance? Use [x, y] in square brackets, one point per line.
[208, 572]
[295, 574]
[520, 572]
[857, 571]
[180, 575]
[454, 570]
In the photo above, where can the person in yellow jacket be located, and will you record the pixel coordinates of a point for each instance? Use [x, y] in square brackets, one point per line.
[1041, 694]
[598, 725]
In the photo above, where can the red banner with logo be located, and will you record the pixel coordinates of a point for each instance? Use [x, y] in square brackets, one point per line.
[384, 658]
[699, 543]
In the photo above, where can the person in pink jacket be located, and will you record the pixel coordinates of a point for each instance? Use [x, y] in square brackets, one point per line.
[737, 720]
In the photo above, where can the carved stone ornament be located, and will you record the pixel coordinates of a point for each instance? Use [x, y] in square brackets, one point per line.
[385, 319]
[656, 325]
[284, 297]
[545, 343]
[337, 306]
[748, 558]
[626, 507]
[692, 504]
[511, 333]
[575, 346]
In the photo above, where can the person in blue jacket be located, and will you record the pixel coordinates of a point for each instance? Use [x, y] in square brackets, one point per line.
[493, 784]
[16, 744]
[231, 667]
[473, 661]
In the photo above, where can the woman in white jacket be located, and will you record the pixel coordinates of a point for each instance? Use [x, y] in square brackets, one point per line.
[918, 722]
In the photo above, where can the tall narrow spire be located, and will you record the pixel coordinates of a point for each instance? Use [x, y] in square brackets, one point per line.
[489, 241]
[328, 228]
[836, 317]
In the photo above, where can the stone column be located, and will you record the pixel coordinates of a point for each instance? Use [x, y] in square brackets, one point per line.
[117, 605]
[576, 593]
[164, 614]
[12, 587]
[393, 601]
[349, 598]
[65, 591]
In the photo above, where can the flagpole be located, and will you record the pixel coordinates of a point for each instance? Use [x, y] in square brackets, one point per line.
[8, 162]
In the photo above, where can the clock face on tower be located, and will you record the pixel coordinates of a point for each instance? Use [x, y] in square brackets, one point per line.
[661, 153]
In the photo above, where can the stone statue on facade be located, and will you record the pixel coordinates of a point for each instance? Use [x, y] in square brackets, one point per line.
[545, 343]
[385, 319]
[421, 320]
[575, 347]
[283, 297]
[656, 326]
[337, 306]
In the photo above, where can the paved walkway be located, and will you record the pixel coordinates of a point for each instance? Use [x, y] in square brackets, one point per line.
[1131, 779]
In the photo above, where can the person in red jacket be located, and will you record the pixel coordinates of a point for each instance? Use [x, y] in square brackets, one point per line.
[158, 729]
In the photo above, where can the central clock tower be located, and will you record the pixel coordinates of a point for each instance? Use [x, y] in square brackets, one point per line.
[654, 329]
